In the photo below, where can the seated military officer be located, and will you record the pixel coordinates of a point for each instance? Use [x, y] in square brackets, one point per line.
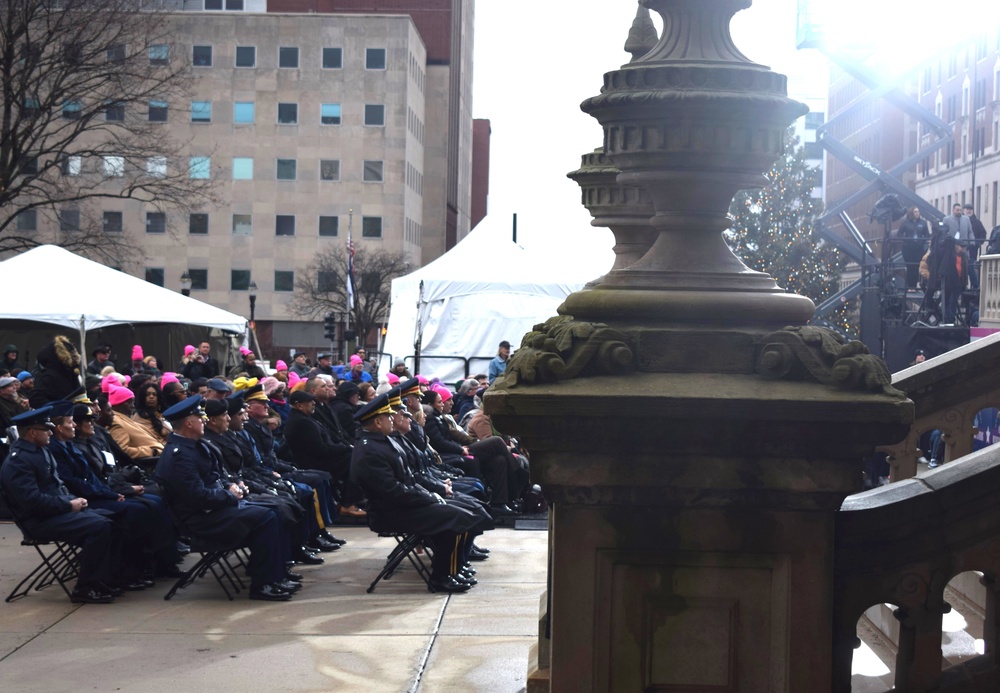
[49, 512]
[397, 503]
[214, 514]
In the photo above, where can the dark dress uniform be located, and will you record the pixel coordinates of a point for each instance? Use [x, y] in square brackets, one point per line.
[313, 447]
[42, 503]
[396, 503]
[200, 505]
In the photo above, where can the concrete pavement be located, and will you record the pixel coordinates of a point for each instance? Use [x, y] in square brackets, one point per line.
[332, 636]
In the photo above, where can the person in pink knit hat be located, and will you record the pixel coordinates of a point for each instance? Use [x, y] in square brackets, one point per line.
[281, 371]
[358, 374]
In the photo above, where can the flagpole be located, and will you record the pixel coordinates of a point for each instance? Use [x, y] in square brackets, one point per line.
[350, 279]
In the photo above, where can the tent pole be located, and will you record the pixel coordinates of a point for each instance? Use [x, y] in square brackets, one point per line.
[83, 350]
[420, 330]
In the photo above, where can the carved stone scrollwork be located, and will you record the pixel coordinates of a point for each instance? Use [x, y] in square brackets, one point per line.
[561, 348]
[821, 355]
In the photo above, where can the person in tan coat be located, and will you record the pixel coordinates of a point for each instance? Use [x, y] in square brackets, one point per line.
[131, 436]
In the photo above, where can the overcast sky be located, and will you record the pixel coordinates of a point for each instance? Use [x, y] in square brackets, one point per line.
[535, 62]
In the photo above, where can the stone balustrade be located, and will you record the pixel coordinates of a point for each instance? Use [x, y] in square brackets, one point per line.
[989, 290]
[947, 393]
[901, 544]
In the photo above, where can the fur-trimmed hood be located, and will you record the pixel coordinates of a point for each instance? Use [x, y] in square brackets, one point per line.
[60, 354]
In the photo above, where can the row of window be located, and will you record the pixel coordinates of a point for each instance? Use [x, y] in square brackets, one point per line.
[244, 112]
[331, 58]
[242, 224]
[239, 279]
[200, 167]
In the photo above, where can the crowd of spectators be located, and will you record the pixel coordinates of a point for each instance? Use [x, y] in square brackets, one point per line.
[147, 459]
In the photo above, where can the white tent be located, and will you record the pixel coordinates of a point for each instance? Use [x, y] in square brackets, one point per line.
[60, 288]
[484, 290]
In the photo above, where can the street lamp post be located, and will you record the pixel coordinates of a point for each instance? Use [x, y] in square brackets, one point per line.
[186, 283]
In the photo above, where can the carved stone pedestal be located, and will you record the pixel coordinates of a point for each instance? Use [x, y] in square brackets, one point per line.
[692, 527]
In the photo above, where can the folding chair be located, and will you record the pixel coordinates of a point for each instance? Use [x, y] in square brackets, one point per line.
[60, 560]
[220, 563]
[407, 546]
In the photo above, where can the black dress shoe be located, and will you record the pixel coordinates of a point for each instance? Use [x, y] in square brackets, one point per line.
[134, 585]
[332, 539]
[183, 549]
[113, 590]
[500, 510]
[467, 579]
[448, 584]
[270, 593]
[480, 549]
[308, 558]
[467, 569]
[294, 577]
[477, 556]
[171, 571]
[287, 586]
[318, 543]
[91, 595]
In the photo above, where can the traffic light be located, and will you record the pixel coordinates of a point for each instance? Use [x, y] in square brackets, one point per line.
[330, 327]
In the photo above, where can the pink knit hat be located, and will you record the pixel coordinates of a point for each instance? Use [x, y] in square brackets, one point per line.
[281, 366]
[293, 380]
[355, 359]
[444, 392]
[111, 379]
[168, 378]
[117, 395]
[244, 351]
[392, 379]
[422, 380]
[137, 353]
[188, 350]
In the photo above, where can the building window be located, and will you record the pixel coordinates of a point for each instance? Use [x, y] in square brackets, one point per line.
[374, 114]
[243, 168]
[242, 224]
[30, 166]
[375, 58]
[201, 111]
[333, 58]
[329, 169]
[157, 111]
[329, 113]
[156, 166]
[813, 120]
[371, 227]
[284, 280]
[286, 169]
[27, 220]
[239, 280]
[115, 53]
[199, 279]
[329, 226]
[284, 225]
[159, 54]
[246, 56]
[200, 167]
[243, 112]
[288, 56]
[154, 275]
[114, 166]
[288, 113]
[156, 222]
[327, 281]
[70, 165]
[372, 172]
[201, 56]
[198, 223]
[114, 112]
[71, 110]
[69, 220]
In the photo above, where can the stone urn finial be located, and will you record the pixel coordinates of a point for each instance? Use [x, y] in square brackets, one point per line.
[642, 36]
[691, 122]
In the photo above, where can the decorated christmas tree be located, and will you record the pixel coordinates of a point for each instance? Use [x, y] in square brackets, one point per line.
[772, 230]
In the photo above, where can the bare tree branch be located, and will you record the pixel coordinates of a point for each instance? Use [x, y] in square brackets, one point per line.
[83, 85]
[321, 287]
